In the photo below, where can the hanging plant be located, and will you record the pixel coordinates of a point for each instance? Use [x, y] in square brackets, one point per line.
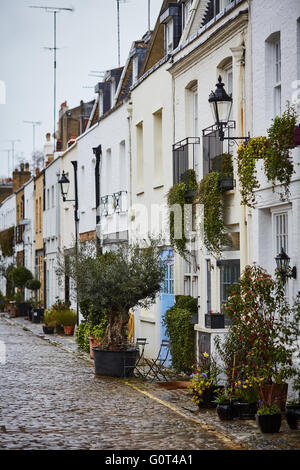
[248, 153]
[210, 195]
[278, 163]
[275, 152]
[7, 242]
[180, 194]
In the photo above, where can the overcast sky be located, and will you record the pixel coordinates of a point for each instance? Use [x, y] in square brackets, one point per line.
[87, 41]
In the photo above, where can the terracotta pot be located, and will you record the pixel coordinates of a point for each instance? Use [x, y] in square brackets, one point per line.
[94, 342]
[69, 330]
[274, 394]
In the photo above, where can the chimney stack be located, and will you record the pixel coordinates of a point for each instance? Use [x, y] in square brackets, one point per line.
[21, 176]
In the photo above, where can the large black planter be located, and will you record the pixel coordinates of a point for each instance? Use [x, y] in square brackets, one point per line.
[269, 423]
[23, 309]
[115, 363]
[208, 398]
[226, 411]
[292, 414]
[247, 410]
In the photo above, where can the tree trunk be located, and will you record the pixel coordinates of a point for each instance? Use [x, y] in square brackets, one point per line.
[114, 337]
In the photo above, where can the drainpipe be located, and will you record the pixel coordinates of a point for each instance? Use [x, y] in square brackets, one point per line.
[97, 152]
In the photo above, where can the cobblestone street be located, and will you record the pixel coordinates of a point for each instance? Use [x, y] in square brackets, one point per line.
[51, 399]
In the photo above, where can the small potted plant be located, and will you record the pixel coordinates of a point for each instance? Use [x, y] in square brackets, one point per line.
[68, 319]
[49, 322]
[247, 394]
[214, 320]
[203, 383]
[268, 418]
[225, 403]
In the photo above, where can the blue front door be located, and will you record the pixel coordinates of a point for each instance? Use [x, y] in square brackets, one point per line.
[167, 297]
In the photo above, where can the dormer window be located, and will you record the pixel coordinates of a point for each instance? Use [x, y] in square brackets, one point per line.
[135, 69]
[100, 103]
[112, 92]
[186, 6]
[172, 21]
[169, 37]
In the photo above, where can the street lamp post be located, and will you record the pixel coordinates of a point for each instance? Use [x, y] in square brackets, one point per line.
[221, 104]
[64, 187]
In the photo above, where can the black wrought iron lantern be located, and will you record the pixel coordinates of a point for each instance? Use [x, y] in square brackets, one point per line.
[221, 104]
[283, 265]
[64, 185]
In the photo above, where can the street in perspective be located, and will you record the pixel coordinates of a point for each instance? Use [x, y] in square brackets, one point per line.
[150, 229]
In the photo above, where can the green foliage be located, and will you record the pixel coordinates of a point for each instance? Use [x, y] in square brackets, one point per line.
[204, 378]
[7, 242]
[269, 410]
[19, 276]
[210, 195]
[248, 153]
[262, 339]
[278, 163]
[18, 298]
[186, 302]
[33, 284]
[49, 318]
[275, 152]
[180, 194]
[181, 333]
[82, 336]
[65, 317]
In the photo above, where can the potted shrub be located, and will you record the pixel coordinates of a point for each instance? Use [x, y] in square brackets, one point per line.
[20, 276]
[268, 418]
[203, 382]
[260, 343]
[49, 322]
[33, 285]
[129, 277]
[68, 319]
[56, 309]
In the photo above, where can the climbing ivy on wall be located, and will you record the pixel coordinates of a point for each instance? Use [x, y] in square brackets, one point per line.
[7, 242]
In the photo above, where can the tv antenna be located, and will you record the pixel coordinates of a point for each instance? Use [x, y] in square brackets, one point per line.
[54, 10]
[33, 123]
[118, 26]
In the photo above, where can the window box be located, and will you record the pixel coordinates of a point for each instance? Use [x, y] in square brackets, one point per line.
[226, 183]
[214, 320]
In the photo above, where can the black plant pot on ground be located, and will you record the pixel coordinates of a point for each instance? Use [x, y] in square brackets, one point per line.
[37, 315]
[48, 330]
[226, 411]
[269, 423]
[119, 363]
[247, 410]
[208, 398]
[292, 414]
[23, 309]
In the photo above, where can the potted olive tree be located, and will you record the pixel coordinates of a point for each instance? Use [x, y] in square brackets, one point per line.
[19, 276]
[129, 277]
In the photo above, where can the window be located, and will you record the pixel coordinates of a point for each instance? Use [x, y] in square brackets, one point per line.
[168, 283]
[140, 155]
[190, 278]
[112, 92]
[277, 77]
[48, 198]
[281, 232]
[100, 103]
[157, 143]
[135, 69]
[185, 12]
[169, 37]
[229, 274]
[52, 196]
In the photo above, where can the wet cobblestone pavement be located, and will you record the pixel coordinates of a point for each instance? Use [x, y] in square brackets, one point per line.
[50, 398]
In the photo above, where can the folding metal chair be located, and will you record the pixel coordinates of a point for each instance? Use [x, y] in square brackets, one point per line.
[157, 365]
[140, 345]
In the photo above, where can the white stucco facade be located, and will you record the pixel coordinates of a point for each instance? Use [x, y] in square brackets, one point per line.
[276, 35]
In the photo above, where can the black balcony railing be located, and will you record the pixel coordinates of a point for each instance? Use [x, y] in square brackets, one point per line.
[184, 157]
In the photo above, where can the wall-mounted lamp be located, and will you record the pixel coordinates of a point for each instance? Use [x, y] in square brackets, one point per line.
[283, 265]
